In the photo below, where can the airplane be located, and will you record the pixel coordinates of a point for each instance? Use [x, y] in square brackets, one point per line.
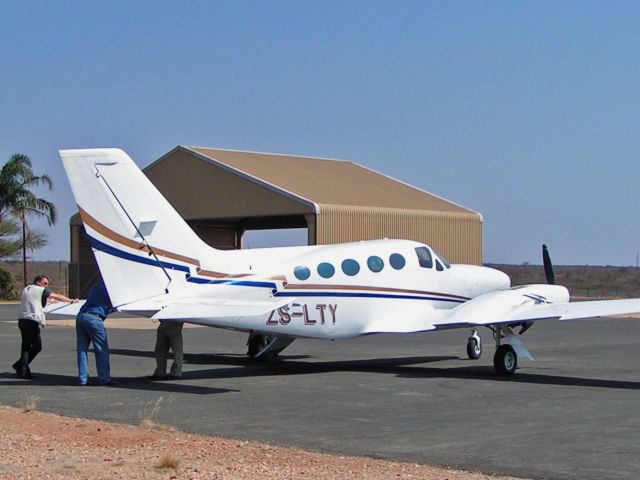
[153, 264]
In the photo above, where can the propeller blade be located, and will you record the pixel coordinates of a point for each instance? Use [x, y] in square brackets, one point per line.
[548, 267]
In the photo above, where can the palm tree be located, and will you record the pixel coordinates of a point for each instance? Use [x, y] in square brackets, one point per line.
[18, 202]
[9, 245]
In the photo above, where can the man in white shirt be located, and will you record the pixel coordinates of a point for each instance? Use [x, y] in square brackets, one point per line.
[32, 302]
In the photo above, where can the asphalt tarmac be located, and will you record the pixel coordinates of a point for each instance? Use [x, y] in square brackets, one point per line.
[574, 413]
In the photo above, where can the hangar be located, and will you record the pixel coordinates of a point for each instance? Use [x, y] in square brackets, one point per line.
[224, 193]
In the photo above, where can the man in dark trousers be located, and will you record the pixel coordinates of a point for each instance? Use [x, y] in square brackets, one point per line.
[32, 317]
[168, 335]
[90, 329]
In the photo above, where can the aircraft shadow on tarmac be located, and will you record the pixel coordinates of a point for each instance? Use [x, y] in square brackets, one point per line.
[487, 373]
[136, 383]
[405, 367]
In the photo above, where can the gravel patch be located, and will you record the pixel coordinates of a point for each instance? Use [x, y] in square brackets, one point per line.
[38, 445]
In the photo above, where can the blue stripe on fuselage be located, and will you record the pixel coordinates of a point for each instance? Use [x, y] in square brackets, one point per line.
[324, 293]
[98, 245]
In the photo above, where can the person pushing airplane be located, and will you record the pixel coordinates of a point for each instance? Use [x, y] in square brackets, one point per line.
[32, 318]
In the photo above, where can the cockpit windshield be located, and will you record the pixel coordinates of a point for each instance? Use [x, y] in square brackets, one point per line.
[424, 257]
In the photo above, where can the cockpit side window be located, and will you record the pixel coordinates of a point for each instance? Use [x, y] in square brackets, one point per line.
[424, 257]
[439, 266]
[444, 261]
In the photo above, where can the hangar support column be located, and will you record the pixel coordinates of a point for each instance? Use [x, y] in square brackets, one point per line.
[312, 238]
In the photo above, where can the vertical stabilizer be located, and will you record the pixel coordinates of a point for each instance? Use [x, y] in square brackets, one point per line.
[142, 245]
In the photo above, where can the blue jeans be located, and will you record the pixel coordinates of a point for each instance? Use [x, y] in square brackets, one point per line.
[90, 329]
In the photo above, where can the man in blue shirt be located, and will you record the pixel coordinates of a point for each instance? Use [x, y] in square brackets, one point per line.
[90, 329]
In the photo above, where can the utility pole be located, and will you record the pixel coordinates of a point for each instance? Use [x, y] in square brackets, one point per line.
[24, 251]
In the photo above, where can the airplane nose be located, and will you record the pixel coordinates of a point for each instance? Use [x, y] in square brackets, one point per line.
[502, 280]
[478, 279]
[490, 279]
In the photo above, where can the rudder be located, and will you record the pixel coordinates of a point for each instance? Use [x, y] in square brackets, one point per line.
[138, 238]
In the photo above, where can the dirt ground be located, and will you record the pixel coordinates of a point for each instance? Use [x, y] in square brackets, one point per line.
[38, 445]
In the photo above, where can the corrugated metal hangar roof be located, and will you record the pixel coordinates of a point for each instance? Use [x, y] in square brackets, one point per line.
[333, 182]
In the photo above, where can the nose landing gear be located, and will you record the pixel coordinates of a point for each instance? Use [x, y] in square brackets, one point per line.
[474, 345]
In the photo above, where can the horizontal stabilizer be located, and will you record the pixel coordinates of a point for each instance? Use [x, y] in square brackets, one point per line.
[203, 309]
[61, 309]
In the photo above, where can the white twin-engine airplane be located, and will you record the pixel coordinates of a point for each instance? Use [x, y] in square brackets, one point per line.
[154, 265]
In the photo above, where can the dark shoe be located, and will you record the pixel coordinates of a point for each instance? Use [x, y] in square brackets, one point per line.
[157, 377]
[29, 376]
[175, 377]
[26, 373]
[110, 383]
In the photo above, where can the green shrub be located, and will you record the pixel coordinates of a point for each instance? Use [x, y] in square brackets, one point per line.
[7, 290]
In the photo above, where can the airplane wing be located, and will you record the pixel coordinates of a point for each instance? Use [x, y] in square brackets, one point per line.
[513, 306]
[412, 320]
[524, 305]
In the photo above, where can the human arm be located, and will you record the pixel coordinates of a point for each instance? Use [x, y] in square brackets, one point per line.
[58, 297]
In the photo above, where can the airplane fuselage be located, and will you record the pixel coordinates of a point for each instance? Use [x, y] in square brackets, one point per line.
[341, 290]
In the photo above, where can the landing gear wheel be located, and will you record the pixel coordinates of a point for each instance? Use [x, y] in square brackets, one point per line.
[505, 360]
[474, 347]
[255, 344]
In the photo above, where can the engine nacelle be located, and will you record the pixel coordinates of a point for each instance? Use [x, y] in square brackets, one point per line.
[498, 306]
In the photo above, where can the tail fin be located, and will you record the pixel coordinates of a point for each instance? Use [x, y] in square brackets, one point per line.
[142, 245]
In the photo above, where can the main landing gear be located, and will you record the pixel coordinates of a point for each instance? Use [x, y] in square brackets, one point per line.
[265, 347]
[256, 343]
[505, 360]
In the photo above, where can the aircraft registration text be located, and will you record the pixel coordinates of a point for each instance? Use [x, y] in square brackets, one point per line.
[320, 313]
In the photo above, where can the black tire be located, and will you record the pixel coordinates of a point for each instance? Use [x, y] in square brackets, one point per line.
[505, 360]
[474, 348]
[255, 344]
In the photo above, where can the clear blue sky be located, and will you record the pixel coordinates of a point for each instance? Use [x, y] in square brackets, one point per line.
[527, 112]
